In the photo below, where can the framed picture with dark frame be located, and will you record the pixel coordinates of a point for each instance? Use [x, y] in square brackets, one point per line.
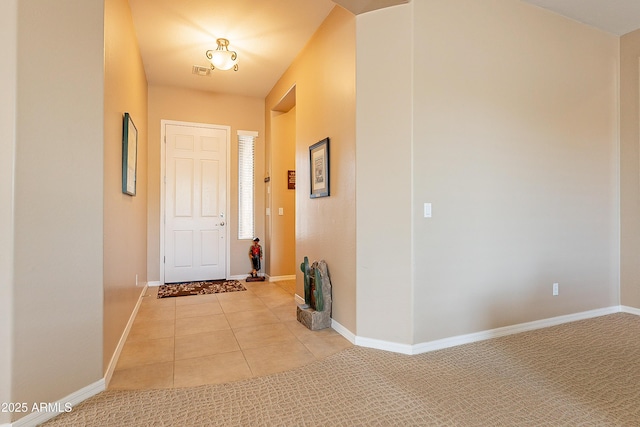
[129, 155]
[291, 180]
[319, 169]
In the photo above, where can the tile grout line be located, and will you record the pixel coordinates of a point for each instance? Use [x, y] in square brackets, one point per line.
[175, 322]
[268, 296]
[244, 356]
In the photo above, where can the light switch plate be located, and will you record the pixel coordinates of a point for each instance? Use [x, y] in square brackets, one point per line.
[280, 211]
[427, 210]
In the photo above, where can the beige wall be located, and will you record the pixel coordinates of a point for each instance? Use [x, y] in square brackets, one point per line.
[325, 107]
[241, 113]
[58, 294]
[511, 135]
[281, 251]
[8, 82]
[515, 144]
[125, 217]
[630, 169]
[384, 180]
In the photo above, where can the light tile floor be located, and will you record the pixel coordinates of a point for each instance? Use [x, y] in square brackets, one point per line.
[209, 339]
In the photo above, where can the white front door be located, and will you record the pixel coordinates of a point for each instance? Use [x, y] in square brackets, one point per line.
[195, 203]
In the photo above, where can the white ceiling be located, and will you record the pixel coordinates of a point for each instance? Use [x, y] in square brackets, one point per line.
[613, 16]
[268, 35]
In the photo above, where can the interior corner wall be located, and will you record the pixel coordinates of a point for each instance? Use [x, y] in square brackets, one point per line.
[8, 82]
[125, 216]
[238, 112]
[630, 169]
[58, 294]
[384, 176]
[516, 147]
[325, 107]
[282, 239]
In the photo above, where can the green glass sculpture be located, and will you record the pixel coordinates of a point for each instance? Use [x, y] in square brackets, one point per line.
[315, 301]
[304, 267]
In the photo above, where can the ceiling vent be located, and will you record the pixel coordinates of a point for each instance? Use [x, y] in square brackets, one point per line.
[200, 71]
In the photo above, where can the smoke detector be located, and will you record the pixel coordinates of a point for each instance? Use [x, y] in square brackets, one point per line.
[200, 71]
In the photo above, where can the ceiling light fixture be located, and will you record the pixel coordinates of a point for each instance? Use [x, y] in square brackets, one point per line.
[222, 58]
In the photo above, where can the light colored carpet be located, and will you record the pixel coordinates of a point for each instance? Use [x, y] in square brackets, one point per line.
[585, 373]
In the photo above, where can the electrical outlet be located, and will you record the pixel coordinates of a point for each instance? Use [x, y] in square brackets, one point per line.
[555, 289]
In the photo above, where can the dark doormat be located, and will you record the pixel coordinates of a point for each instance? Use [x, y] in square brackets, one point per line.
[199, 288]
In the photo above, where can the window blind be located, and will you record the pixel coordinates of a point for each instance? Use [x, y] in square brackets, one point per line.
[246, 161]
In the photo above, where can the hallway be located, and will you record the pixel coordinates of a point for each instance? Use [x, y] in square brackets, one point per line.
[211, 339]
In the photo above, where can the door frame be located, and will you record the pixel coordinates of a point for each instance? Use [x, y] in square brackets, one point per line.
[163, 179]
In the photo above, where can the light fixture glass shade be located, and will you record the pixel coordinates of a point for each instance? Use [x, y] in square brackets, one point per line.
[222, 58]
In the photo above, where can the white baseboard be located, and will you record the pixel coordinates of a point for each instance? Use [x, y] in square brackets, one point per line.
[510, 330]
[336, 326]
[281, 278]
[36, 418]
[342, 330]
[384, 345]
[630, 310]
[123, 338]
[79, 396]
[483, 335]
[157, 283]
[238, 277]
